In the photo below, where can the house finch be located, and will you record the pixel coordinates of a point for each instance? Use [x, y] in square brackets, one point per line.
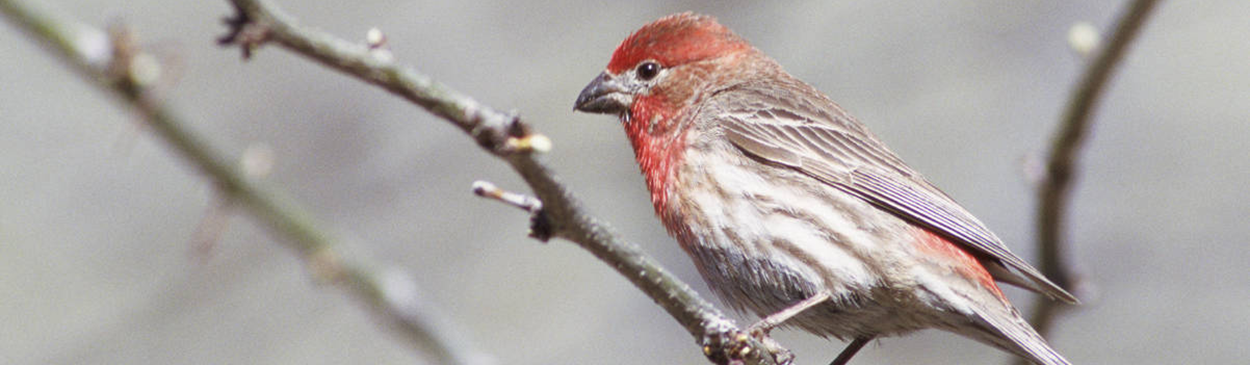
[782, 199]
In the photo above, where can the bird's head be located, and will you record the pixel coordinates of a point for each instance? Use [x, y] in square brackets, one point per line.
[661, 66]
[654, 78]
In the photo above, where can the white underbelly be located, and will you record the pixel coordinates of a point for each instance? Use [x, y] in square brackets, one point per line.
[766, 237]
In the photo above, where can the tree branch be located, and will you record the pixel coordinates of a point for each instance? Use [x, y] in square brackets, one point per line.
[1054, 194]
[390, 292]
[508, 138]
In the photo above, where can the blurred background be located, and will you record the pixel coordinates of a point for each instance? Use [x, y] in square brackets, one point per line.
[97, 217]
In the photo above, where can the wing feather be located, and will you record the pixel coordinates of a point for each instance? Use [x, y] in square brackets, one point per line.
[794, 129]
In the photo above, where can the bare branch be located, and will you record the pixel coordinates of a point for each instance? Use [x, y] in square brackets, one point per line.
[390, 293]
[1054, 192]
[510, 139]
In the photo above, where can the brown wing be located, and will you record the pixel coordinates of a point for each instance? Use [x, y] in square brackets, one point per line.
[793, 126]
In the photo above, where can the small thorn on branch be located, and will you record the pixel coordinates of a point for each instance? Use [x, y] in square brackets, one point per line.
[530, 143]
[244, 32]
[376, 41]
[375, 38]
[507, 136]
[541, 227]
[525, 202]
[522, 138]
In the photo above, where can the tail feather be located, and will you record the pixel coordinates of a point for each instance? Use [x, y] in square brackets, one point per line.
[1010, 332]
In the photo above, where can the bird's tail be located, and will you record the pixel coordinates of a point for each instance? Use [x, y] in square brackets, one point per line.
[1006, 329]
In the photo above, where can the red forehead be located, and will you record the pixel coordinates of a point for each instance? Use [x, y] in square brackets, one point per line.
[676, 39]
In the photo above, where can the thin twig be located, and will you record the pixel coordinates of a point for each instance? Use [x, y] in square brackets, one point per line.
[503, 134]
[389, 292]
[488, 190]
[1054, 192]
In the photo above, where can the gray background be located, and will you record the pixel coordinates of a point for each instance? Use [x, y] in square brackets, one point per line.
[96, 217]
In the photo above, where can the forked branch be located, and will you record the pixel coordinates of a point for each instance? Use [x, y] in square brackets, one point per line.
[508, 137]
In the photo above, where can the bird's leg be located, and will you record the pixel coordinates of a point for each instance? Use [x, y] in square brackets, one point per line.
[760, 330]
[851, 350]
[776, 319]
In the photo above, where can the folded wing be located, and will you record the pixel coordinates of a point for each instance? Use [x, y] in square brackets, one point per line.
[809, 133]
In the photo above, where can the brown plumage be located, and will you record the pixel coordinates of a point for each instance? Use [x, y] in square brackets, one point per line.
[779, 195]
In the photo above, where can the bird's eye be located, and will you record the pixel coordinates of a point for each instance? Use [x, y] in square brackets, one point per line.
[648, 70]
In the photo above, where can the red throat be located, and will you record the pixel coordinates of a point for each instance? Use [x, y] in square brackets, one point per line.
[657, 147]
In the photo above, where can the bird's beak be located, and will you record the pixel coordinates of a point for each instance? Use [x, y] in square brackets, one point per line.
[604, 95]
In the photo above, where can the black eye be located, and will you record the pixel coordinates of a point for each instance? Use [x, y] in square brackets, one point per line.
[648, 70]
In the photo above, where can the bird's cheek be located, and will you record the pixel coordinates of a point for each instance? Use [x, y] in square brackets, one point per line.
[652, 112]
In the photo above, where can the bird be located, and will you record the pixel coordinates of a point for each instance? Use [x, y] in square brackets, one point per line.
[788, 204]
